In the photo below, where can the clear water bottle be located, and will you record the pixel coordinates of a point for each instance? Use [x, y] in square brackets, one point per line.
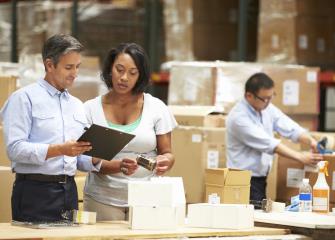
[305, 196]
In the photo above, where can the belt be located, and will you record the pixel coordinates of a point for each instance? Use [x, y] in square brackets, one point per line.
[44, 178]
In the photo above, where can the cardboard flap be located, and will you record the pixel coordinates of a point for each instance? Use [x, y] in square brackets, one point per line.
[228, 177]
[216, 176]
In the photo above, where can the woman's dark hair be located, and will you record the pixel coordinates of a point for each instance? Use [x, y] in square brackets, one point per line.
[140, 58]
[257, 82]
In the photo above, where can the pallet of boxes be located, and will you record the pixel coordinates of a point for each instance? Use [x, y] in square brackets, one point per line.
[7, 86]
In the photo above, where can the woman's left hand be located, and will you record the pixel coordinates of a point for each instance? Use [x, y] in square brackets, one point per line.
[163, 164]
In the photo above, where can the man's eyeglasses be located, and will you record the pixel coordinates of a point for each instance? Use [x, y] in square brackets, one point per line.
[265, 99]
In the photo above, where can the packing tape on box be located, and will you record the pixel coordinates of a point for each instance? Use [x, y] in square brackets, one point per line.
[84, 217]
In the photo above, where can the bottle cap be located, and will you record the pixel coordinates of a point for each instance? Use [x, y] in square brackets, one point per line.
[305, 180]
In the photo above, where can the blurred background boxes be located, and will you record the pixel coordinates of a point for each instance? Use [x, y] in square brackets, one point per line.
[7, 86]
[4, 161]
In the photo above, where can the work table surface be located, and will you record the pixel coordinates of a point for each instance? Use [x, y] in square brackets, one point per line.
[297, 219]
[120, 230]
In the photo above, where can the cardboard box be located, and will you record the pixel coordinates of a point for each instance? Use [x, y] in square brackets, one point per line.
[231, 185]
[206, 215]
[7, 179]
[289, 174]
[153, 217]
[202, 116]
[195, 149]
[156, 204]
[80, 181]
[7, 87]
[291, 85]
[162, 191]
[296, 32]
[4, 161]
[209, 83]
[307, 121]
[271, 180]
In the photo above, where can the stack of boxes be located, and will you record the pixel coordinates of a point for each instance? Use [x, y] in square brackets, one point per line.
[296, 32]
[200, 22]
[231, 185]
[36, 21]
[222, 84]
[156, 204]
[198, 143]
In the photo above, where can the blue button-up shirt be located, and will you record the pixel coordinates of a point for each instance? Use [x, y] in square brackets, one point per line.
[250, 136]
[36, 116]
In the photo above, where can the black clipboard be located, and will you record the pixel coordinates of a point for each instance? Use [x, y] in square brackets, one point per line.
[106, 142]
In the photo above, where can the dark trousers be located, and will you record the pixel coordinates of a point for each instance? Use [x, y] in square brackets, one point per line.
[257, 188]
[42, 201]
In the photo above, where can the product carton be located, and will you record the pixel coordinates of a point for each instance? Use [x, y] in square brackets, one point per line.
[6, 179]
[230, 216]
[195, 149]
[231, 185]
[4, 161]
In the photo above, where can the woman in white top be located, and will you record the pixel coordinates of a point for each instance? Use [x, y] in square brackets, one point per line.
[126, 107]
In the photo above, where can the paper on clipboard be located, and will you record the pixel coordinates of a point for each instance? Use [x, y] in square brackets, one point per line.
[106, 142]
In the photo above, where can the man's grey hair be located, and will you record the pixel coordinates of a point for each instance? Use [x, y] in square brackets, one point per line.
[59, 45]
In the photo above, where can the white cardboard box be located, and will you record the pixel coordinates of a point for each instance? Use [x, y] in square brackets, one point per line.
[230, 216]
[157, 204]
[154, 217]
[159, 191]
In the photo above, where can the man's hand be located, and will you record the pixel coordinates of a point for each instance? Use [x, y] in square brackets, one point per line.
[72, 148]
[310, 158]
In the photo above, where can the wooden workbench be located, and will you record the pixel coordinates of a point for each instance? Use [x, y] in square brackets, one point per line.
[314, 225]
[120, 230]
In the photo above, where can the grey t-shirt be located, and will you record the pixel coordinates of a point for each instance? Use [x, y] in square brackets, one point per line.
[156, 119]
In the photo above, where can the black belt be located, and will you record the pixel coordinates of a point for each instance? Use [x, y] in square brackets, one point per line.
[44, 178]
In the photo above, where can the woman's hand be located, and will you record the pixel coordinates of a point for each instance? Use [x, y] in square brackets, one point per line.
[163, 164]
[128, 166]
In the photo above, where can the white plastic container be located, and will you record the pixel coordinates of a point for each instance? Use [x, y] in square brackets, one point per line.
[321, 190]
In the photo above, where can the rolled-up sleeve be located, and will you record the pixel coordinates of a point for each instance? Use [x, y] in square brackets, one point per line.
[84, 163]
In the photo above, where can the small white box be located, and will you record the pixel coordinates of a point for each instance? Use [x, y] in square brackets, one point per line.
[230, 216]
[147, 193]
[148, 217]
[159, 191]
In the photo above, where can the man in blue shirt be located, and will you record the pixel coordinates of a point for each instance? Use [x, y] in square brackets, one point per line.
[41, 123]
[250, 134]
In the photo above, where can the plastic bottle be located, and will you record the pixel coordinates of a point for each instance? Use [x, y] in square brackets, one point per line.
[321, 190]
[305, 196]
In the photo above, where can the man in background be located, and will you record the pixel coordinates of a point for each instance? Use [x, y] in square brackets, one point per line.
[250, 134]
